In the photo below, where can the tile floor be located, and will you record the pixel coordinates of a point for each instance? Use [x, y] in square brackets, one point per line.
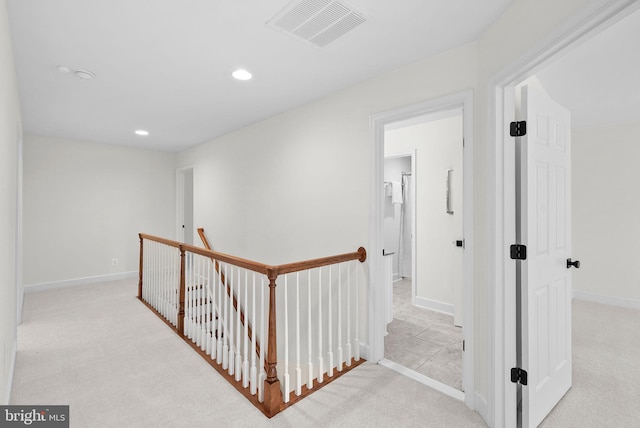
[423, 340]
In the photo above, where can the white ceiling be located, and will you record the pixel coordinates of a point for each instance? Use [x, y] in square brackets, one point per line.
[164, 65]
[599, 81]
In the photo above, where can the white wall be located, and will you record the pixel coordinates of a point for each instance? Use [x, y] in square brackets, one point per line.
[296, 186]
[606, 210]
[85, 203]
[9, 125]
[438, 146]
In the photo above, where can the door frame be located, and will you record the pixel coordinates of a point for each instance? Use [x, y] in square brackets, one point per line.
[377, 295]
[19, 222]
[180, 201]
[502, 351]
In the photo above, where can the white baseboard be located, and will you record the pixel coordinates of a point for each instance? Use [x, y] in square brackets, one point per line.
[434, 305]
[12, 366]
[365, 351]
[622, 302]
[480, 406]
[425, 380]
[32, 288]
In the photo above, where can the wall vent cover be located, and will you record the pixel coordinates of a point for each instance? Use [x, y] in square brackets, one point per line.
[318, 22]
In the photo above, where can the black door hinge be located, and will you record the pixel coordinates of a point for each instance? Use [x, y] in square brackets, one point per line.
[518, 129]
[518, 376]
[518, 252]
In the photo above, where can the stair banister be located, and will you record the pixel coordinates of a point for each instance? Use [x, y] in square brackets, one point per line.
[270, 397]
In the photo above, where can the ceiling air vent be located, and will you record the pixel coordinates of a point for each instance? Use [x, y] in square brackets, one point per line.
[319, 22]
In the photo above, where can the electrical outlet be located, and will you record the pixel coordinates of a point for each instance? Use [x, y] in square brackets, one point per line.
[114, 262]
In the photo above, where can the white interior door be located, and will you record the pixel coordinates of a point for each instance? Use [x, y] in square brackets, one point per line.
[545, 228]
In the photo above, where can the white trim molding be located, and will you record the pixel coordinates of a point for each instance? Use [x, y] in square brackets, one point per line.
[11, 358]
[425, 380]
[434, 305]
[622, 302]
[34, 288]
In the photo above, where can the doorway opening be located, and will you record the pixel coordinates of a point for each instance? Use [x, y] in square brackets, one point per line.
[423, 228]
[504, 335]
[184, 212]
[423, 216]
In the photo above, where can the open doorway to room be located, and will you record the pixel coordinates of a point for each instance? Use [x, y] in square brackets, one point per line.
[184, 210]
[379, 297]
[604, 127]
[423, 239]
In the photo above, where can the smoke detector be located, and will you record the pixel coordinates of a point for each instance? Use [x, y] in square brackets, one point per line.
[317, 22]
[80, 74]
[84, 74]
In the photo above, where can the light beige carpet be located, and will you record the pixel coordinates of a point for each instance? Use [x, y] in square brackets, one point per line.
[99, 350]
[606, 370]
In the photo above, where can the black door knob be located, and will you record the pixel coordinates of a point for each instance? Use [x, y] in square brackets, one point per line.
[575, 264]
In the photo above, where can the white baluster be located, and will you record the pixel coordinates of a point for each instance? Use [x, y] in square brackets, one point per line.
[194, 296]
[349, 353]
[298, 370]
[357, 342]
[309, 338]
[320, 359]
[152, 272]
[165, 288]
[205, 303]
[209, 306]
[174, 289]
[245, 364]
[330, 353]
[263, 347]
[232, 354]
[168, 312]
[253, 373]
[165, 285]
[214, 308]
[197, 304]
[225, 321]
[154, 264]
[220, 318]
[286, 342]
[188, 300]
[145, 269]
[158, 304]
[238, 328]
[340, 357]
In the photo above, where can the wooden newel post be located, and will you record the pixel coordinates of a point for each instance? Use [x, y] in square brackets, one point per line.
[272, 394]
[141, 266]
[180, 327]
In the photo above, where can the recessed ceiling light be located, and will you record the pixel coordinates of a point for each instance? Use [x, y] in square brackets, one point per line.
[242, 74]
[142, 132]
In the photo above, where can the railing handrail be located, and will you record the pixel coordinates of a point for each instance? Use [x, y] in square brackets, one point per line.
[270, 270]
[360, 255]
[222, 257]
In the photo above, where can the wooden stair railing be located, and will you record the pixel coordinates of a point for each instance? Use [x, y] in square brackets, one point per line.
[156, 293]
[230, 292]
